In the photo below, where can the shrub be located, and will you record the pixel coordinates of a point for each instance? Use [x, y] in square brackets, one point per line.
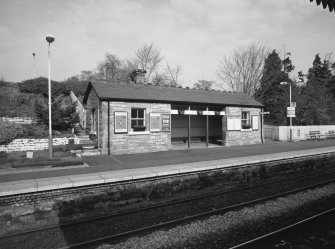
[63, 117]
[9, 131]
[39, 86]
[34, 131]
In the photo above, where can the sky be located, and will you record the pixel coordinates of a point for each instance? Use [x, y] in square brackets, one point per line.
[194, 33]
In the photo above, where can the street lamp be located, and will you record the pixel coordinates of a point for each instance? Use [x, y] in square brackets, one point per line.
[50, 39]
[34, 66]
[290, 84]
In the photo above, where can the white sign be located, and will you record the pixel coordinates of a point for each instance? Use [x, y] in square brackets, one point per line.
[264, 113]
[208, 113]
[190, 112]
[291, 112]
[174, 111]
[30, 154]
[255, 122]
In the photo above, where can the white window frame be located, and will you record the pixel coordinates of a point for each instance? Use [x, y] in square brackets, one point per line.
[144, 118]
[245, 121]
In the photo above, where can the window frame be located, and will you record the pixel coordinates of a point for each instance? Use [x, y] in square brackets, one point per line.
[138, 128]
[245, 121]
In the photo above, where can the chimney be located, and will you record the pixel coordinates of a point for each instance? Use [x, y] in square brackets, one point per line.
[138, 76]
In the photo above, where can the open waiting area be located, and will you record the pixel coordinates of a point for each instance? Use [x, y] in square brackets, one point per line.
[133, 118]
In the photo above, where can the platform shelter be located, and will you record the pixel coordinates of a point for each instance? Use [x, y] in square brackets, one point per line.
[135, 118]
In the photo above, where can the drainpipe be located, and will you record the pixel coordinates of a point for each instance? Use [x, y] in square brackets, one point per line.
[262, 125]
[189, 128]
[108, 128]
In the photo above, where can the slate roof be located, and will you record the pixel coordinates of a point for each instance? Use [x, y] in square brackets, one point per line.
[173, 95]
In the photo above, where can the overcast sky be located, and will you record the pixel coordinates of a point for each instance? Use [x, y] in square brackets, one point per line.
[193, 33]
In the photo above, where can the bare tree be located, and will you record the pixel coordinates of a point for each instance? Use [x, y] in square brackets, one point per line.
[148, 58]
[109, 69]
[173, 73]
[242, 71]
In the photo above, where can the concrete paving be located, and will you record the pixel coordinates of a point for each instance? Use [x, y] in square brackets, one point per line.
[107, 169]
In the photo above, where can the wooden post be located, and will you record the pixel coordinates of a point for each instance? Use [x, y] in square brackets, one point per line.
[207, 128]
[108, 132]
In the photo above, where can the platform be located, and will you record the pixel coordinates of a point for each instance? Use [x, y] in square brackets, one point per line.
[112, 169]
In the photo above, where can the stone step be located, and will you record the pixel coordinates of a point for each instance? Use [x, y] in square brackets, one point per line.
[88, 147]
[84, 137]
[86, 142]
[94, 152]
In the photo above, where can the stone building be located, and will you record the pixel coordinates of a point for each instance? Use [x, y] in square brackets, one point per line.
[135, 118]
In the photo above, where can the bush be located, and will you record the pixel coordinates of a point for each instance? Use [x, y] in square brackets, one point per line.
[34, 131]
[9, 131]
[39, 86]
[63, 117]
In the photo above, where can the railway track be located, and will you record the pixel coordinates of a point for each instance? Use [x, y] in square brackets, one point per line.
[277, 239]
[118, 226]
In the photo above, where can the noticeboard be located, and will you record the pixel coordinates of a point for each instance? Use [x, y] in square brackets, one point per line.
[255, 122]
[233, 122]
[155, 121]
[120, 122]
[166, 122]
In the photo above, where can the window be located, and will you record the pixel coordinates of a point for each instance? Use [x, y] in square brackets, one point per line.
[138, 119]
[245, 120]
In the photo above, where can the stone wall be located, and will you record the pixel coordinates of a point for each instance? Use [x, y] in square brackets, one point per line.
[19, 120]
[133, 142]
[26, 144]
[242, 136]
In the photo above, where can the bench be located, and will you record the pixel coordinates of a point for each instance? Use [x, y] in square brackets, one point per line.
[316, 135]
[185, 139]
[194, 139]
[330, 134]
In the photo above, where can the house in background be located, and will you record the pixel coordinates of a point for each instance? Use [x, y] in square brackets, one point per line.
[135, 118]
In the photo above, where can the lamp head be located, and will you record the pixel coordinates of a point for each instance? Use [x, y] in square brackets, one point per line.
[50, 38]
[283, 83]
[34, 54]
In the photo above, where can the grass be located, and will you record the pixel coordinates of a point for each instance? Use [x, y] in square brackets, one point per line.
[40, 158]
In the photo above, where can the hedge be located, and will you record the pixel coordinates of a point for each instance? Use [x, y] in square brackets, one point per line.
[226, 230]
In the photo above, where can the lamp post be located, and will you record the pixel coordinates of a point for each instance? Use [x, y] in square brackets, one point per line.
[50, 39]
[290, 84]
[34, 66]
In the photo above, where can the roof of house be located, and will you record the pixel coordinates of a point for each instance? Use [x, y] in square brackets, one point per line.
[176, 95]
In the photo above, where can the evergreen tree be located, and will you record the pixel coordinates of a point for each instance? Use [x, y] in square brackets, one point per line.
[318, 93]
[63, 115]
[270, 93]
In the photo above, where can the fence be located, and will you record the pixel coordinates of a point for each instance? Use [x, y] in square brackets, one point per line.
[282, 133]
